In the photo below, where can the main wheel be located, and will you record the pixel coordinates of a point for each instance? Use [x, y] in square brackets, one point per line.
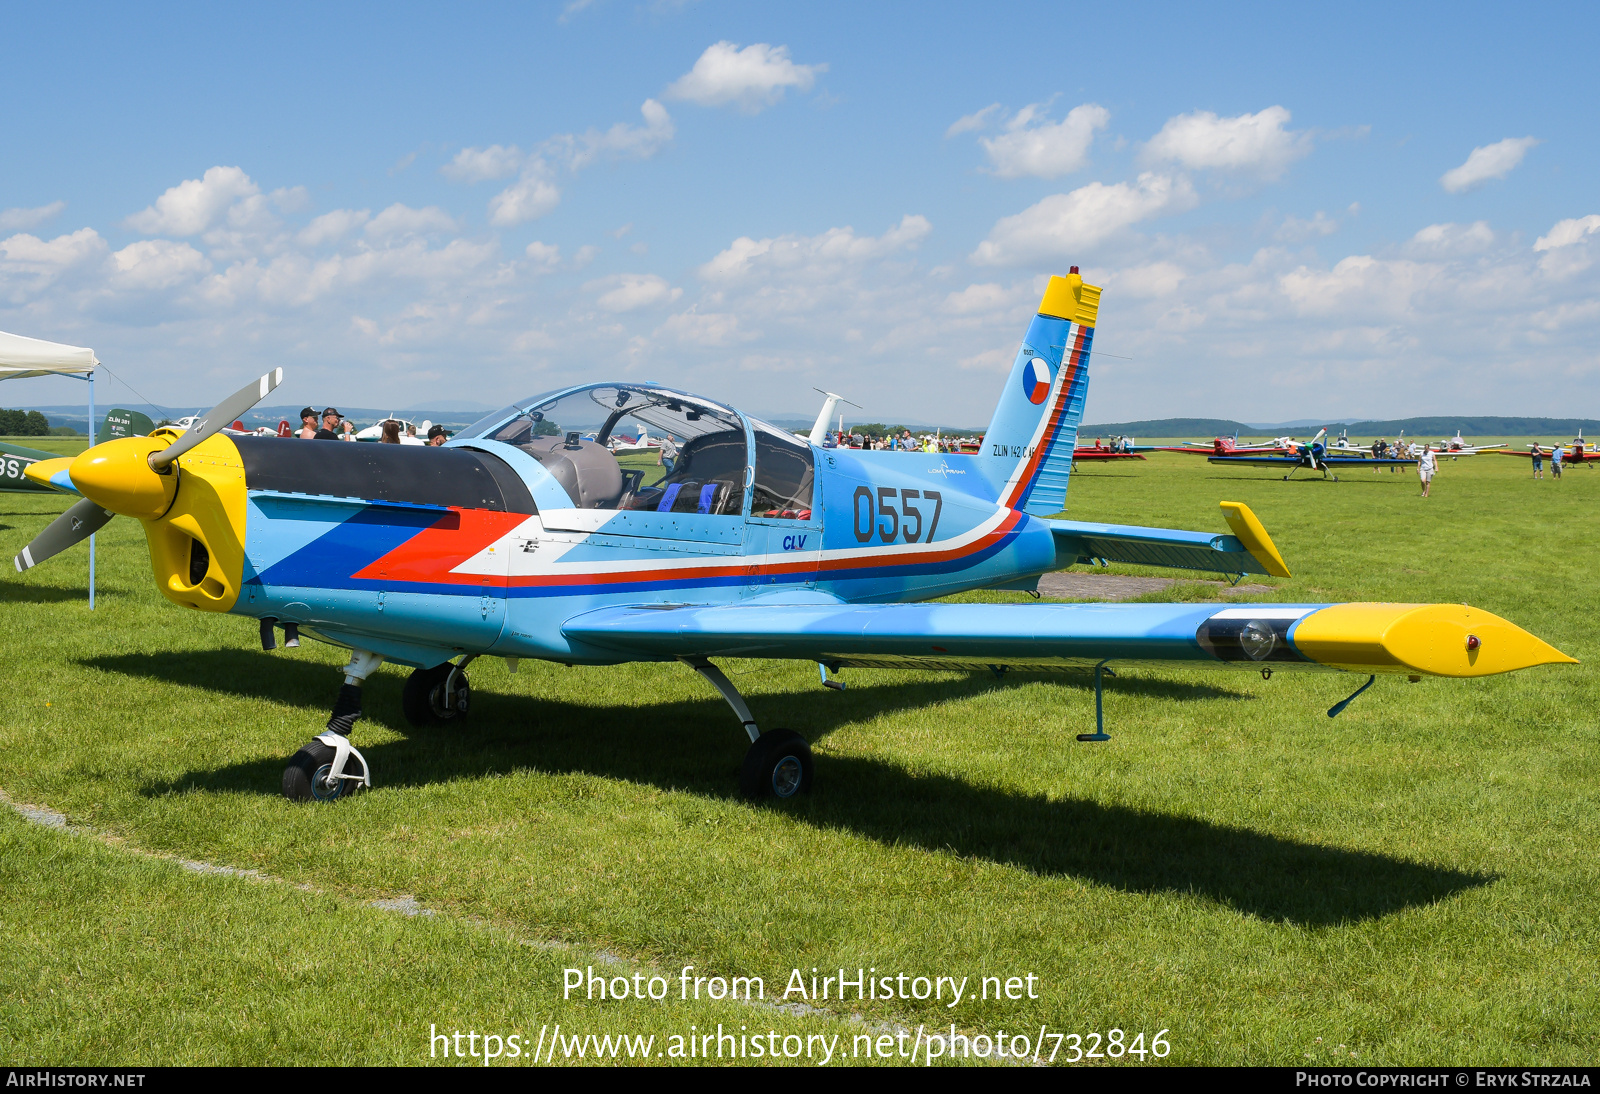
[424, 702]
[778, 765]
[308, 768]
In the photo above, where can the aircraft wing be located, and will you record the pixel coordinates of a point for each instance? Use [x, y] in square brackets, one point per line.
[1369, 638]
[1296, 461]
[15, 459]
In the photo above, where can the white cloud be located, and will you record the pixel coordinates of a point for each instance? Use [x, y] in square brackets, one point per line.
[333, 226]
[398, 221]
[42, 261]
[1045, 150]
[697, 328]
[1452, 239]
[530, 197]
[819, 255]
[14, 220]
[544, 256]
[977, 120]
[1248, 144]
[584, 255]
[155, 264]
[626, 292]
[1492, 161]
[979, 299]
[752, 78]
[194, 205]
[477, 164]
[1153, 280]
[1295, 230]
[622, 140]
[1567, 232]
[1062, 225]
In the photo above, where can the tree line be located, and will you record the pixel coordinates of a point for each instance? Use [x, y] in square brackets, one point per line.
[23, 423]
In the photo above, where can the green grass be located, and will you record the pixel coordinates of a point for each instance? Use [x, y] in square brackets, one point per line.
[1413, 880]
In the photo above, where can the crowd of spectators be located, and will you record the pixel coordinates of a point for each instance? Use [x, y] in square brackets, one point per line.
[336, 427]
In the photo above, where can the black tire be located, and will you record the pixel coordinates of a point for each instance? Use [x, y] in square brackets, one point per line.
[423, 699]
[302, 779]
[778, 765]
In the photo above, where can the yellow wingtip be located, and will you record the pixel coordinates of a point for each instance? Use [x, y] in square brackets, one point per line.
[40, 471]
[1254, 536]
[1435, 639]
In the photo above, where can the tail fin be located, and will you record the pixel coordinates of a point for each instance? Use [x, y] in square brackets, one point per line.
[1027, 451]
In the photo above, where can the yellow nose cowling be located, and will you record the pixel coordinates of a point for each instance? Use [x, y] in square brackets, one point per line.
[193, 515]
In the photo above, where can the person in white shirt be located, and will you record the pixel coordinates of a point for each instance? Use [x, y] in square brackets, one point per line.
[1426, 466]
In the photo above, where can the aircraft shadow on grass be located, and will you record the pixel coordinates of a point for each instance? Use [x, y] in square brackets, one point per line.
[692, 746]
[20, 593]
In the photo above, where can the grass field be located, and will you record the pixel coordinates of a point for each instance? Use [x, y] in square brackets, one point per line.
[1412, 882]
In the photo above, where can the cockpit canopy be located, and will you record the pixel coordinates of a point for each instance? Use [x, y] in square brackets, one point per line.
[703, 449]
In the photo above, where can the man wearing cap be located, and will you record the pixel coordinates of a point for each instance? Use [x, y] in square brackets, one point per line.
[308, 424]
[330, 425]
[437, 436]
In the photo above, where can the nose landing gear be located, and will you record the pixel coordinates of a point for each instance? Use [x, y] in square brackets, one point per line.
[329, 767]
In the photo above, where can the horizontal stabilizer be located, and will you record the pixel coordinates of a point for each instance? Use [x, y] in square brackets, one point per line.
[1080, 541]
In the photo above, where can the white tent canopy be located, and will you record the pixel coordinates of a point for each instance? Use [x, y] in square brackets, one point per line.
[21, 357]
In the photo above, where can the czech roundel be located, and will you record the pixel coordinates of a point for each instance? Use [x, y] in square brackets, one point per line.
[1036, 379]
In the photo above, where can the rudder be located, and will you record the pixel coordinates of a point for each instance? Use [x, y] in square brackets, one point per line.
[1027, 450]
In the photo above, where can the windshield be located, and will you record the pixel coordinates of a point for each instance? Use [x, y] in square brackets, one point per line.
[625, 446]
[608, 411]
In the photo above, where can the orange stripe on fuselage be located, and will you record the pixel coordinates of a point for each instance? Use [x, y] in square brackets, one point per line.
[432, 554]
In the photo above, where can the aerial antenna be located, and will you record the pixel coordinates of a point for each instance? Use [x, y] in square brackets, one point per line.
[819, 431]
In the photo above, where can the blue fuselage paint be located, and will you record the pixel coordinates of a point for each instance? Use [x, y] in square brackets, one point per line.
[885, 527]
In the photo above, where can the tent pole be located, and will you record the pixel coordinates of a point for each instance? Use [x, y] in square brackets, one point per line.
[91, 445]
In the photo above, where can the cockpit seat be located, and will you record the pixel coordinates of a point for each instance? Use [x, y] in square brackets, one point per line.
[709, 498]
[588, 472]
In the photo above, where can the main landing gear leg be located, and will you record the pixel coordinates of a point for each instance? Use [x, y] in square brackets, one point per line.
[328, 766]
[778, 764]
[1099, 733]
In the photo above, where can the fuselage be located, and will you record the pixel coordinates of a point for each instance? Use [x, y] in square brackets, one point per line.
[478, 547]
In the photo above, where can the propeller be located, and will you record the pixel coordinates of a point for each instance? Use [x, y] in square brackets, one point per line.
[234, 406]
[87, 517]
[83, 520]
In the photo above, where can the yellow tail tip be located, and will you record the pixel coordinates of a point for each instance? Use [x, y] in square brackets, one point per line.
[1072, 299]
[1254, 536]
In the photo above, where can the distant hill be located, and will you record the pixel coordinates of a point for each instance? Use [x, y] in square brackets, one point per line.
[1200, 428]
[1470, 426]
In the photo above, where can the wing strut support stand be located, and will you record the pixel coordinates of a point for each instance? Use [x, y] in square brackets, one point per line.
[705, 668]
[1099, 733]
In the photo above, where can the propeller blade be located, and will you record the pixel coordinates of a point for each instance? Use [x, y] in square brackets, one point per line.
[77, 524]
[234, 406]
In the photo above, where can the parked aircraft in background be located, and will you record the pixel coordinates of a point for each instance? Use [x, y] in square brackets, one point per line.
[15, 459]
[520, 539]
[1313, 456]
[1577, 450]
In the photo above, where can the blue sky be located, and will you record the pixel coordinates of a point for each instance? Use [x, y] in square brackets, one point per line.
[1366, 211]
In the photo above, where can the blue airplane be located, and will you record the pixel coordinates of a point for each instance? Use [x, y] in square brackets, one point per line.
[525, 538]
